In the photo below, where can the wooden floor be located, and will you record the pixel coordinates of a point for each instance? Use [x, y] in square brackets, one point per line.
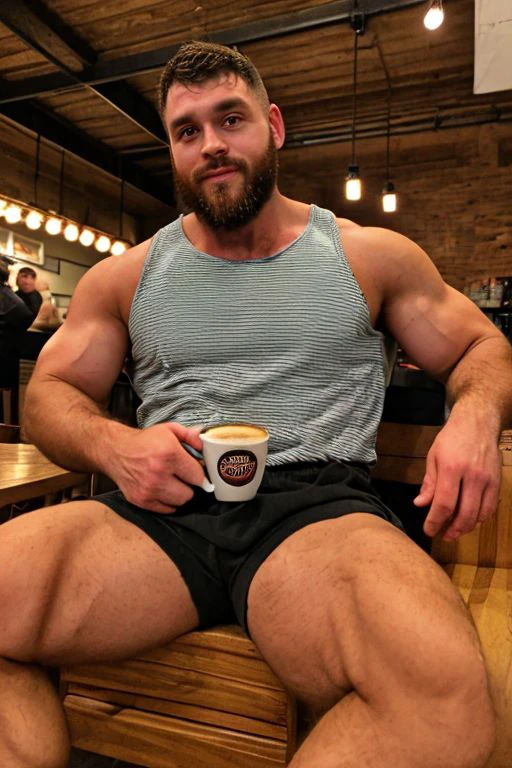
[81, 759]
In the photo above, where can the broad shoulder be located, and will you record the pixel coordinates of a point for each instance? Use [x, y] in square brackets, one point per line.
[111, 282]
[389, 256]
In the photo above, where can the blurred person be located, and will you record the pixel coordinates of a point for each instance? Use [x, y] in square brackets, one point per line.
[27, 291]
[47, 318]
[15, 318]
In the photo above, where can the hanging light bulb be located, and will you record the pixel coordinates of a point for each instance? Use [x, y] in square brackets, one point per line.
[71, 232]
[353, 187]
[53, 226]
[389, 198]
[13, 214]
[388, 192]
[34, 219]
[434, 17]
[118, 248]
[102, 244]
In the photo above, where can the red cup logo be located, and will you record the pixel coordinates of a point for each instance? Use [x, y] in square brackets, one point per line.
[237, 467]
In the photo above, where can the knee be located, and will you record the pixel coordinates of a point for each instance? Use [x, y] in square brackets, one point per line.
[462, 717]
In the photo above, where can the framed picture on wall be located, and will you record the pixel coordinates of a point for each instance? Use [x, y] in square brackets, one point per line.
[26, 249]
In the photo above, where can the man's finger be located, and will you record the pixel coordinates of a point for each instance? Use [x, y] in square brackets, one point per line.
[468, 509]
[444, 504]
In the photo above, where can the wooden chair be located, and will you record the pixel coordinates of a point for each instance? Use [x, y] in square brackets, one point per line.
[208, 700]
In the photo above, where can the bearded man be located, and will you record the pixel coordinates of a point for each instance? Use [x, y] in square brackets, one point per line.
[269, 311]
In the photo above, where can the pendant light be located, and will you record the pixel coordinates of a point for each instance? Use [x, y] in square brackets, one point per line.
[352, 179]
[434, 17]
[388, 192]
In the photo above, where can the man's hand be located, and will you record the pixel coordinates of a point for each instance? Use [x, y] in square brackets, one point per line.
[462, 480]
[152, 468]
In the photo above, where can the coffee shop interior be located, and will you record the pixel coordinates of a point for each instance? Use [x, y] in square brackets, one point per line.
[392, 119]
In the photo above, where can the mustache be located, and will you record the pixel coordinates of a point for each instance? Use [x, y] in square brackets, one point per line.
[215, 163]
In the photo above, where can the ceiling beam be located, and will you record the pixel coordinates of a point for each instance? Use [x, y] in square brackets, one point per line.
[128, 66]
[37, 28]
[66, 136]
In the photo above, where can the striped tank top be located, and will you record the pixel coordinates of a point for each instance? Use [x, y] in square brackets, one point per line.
[283, 341]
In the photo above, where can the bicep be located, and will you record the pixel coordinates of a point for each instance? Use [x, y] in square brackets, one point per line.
[434, 323]
[89, 349]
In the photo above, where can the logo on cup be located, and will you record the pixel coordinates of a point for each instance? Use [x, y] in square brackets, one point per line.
[237, 467]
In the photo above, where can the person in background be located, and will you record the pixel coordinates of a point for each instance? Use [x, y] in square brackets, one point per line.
[27, 291]
[15, 318]
[47, 318]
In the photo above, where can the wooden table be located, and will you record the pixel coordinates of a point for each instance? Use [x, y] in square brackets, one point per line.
[25, 474]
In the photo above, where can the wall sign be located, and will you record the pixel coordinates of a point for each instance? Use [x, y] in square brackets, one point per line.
[21, 247]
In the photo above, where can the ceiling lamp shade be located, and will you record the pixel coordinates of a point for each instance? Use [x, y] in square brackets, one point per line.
[434, 17]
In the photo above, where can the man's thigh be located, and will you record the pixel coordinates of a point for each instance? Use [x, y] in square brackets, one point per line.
[81, 583]
[352, 604]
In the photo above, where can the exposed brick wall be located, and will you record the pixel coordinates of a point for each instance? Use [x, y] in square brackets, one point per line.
[454, 187]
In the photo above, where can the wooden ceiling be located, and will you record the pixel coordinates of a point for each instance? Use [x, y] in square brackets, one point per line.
[84, 73]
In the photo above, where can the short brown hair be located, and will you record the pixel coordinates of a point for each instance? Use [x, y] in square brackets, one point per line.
[197, 61]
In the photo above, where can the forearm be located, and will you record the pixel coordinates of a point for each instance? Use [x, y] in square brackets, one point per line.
[480, 385]
[69, 427]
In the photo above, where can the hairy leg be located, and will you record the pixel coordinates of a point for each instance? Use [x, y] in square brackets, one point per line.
[82, 584]
[369, 632]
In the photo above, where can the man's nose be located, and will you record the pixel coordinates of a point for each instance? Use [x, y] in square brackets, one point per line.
[213, 142]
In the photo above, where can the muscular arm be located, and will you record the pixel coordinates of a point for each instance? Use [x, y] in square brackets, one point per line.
[65, 409]
[452, 340]
[66, 398]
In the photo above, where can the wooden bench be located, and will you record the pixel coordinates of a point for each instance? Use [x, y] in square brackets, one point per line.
[208, 700]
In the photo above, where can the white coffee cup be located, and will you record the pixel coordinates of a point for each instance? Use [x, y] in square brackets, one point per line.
[235, 456]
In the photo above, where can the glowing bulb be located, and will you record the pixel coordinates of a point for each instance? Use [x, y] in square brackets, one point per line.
[86, 237]
[389, 198]
[34, 220]
[53, 226]
[102, 244]
[118, 248]
[13, 214]
[353, 183]
[71, 233]
[434, 17]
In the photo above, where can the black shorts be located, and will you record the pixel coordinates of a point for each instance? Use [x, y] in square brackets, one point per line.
[218, 546]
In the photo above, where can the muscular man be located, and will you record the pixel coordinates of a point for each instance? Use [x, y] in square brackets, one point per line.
[269, 311]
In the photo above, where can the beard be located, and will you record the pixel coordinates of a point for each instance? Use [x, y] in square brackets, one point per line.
[220, 207]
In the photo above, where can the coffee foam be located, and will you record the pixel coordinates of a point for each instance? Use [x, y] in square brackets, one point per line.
[236, 433]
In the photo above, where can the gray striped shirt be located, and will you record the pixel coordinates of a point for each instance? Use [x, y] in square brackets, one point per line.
[285, 341]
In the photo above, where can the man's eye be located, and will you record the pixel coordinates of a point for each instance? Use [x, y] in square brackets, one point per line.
[187, 132]
[232, 120]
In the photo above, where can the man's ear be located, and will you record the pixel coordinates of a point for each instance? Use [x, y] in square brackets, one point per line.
[276, 122]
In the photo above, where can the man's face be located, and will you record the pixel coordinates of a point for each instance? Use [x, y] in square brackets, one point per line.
[222, 150]
[26, 282]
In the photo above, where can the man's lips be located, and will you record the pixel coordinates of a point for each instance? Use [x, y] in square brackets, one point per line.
[219, 173]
